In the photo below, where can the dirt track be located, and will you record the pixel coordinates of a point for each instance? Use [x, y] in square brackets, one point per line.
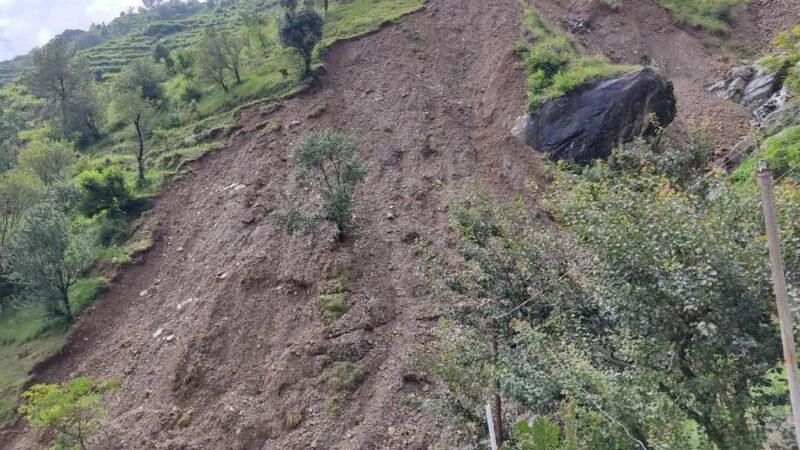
[429, 100]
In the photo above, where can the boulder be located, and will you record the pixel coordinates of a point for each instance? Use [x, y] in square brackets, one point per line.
[760, 89]
[735, 89]
[746, 73]
[588, 122]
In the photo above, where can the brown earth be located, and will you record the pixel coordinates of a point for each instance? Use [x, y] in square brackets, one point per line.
[250, 363]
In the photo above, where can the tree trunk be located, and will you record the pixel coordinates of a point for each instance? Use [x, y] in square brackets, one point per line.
[140, 152]
[498, 402]
[66, 305]
[91, 124]
[325, 2]
[307, 61]
[236, 72]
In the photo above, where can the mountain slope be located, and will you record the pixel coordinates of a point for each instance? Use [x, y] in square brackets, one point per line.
[250, 361]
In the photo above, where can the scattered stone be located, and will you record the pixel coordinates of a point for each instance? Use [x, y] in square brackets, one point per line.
[588, 122]
[184, 421]
[158, 333]
[170, 338]
[184, 304]
[392, 431]
[143, 293]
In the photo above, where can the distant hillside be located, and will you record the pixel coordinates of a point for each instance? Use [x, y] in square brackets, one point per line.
[176, 24]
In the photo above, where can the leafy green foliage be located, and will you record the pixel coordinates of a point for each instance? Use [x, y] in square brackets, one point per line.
[302, 31]
[48, 158]
[654, 320]
[786, 58]
[219, 53]
[103, 190]
[71, 409]
[782, 152]
[544, 434]
[51, 255]
[554, 66]
[19, 190]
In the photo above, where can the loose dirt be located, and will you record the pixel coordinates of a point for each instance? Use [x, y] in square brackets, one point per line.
[219, 322]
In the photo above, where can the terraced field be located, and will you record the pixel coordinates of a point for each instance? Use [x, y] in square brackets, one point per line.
[115, 51]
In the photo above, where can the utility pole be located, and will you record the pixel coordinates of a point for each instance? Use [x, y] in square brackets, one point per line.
[779, 285]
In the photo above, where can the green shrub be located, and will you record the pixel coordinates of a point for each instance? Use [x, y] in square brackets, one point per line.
[69, 410]
[103, 190]
[782, 152]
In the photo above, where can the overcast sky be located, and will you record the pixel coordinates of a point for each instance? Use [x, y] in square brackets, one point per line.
[25, 24]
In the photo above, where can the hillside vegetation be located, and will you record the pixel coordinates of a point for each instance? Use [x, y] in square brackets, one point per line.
[370, 260]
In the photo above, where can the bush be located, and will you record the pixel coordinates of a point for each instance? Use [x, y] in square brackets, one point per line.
[103, 190]
[782, 152]
[70, 410]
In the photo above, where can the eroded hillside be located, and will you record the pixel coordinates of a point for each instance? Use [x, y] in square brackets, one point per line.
[220, 321]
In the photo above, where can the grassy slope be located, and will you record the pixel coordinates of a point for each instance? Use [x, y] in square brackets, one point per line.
[26, 338]
[553, 65]
[711, 15]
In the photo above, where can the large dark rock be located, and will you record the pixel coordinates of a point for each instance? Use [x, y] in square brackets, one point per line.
[589, 122]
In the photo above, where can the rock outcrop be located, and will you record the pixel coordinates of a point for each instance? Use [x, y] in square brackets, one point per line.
[755, 88]
[589, 122]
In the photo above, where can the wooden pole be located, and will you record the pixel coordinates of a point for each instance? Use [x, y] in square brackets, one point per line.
[779, 285]
[490, 424]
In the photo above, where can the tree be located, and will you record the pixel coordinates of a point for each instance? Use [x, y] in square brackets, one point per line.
[19, 190]
[302, 32]
[49, 159]
[88, 108]
[137, 94]
[333, 158]
[653, 318]
[54, 76]
[253, 24]
[103, 190]
[161, 54]
[219, 53]
[71, 409]
[47, 253]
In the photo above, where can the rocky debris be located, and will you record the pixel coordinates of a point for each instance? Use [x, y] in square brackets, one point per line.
[589, 122]
[755, 88]
[745, 73]
[775, 103]
[759, 90]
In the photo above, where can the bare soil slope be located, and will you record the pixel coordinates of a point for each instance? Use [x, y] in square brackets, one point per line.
[220, 321]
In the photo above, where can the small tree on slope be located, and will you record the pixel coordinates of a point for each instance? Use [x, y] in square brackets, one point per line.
[332, 157]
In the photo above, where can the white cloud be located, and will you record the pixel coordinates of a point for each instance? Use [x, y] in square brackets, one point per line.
[25, 24]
